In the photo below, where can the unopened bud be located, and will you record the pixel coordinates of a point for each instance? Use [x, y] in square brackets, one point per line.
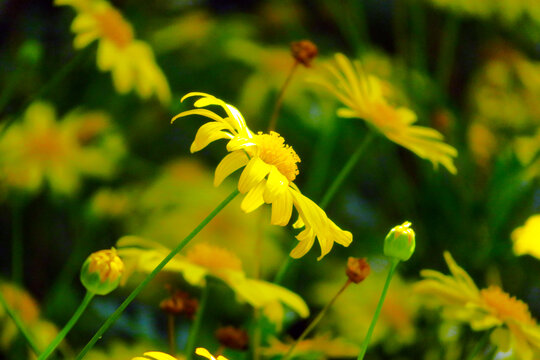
[102, 271]
[232, 338]
[400, 242]
[304, 51]
[357, 269]
[179, 303]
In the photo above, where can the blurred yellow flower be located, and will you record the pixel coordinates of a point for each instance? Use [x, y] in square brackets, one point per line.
[120, 350]
[270, 169]
[39, 149]
[322, 346]
[490, 308]
[203, 260]
[108, 203]
[155, 355]
[203, 352]
[364, 97]
[130, 61]
[526, 238]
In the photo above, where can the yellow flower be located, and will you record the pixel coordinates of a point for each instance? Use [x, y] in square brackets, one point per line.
[203, 352]
[491, 308]
[130, 61]
[270, 168]
[155, 355]
[364, 97]
[118, 349]
[322, 345]
[102, 271]
[526, 238]
[39, 149]
[202, 260]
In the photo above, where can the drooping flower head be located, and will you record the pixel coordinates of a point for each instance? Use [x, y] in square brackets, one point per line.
[364, 97]
[270, 167]
[490, 308]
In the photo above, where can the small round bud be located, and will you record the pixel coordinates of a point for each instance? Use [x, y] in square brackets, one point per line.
[232, 338]
[102, 271]
[400, 242]
[179, 303]
[304, 51]
[357, 269]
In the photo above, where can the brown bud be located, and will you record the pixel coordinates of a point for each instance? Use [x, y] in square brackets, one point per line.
[304, 51]
[232, 338]
[179, 303]
[357, 269]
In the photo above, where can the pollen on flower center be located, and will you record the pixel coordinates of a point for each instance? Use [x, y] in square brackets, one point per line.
[114, 27]
[274, 151]
[213, 257]
[505, 306]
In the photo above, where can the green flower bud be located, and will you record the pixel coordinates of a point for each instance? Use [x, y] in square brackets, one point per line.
[102, 271]
[400, 242]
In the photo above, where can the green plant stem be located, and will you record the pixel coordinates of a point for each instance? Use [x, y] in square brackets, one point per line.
[18, 322]
[277, 106]
[365, 343]
[17, 248]
[315, 321]
[153, 274]
[481, 344]
[171, 333]
[62, 334]
[196, 326]
[447, 50]
[400, 29]
[418, 26]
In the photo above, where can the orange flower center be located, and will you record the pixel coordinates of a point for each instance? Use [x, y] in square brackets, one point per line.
[213, 257]
[46, 147]
[506, 307]
[274, 151]
[114, 27]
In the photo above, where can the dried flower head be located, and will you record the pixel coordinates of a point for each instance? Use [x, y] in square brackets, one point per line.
[357, 269]
[232, 338]
[304, 51]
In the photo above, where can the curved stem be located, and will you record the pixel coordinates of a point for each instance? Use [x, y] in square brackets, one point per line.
[153, 274]
[480, 345]
[316, 321]
[196, 326]
[62, 334]
[281, 95]
[365, 343]
[18, 322]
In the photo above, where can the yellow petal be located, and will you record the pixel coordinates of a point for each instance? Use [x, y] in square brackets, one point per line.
[254, 198]
[229, 164]
[207, 133]
[306, 239]
[253, 173]
[282, 209]
[203, 352]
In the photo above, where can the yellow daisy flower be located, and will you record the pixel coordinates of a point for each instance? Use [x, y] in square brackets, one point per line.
[202, 260]
[157, 355]
[130, 61]
[203, 352]
[491, 308]
[40, 149]
[364, 97]
[270, 169]
[526, 238]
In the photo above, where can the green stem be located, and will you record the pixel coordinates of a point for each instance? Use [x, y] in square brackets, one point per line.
[196, 327]
[281, 96]
[62, 334]
[418, 25]
[17, 243]
[111, 319]
[480, 345]
[316, 321]
[400, 29]
[18, 322]
[447, 50]
[364, 346]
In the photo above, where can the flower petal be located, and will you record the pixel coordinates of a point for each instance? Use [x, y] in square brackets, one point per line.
[207, 133]
[229, 164]
[253, 173]
[254, 198]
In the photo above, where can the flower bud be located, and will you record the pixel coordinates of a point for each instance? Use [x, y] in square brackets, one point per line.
[232, 338]
[357, 269]
[304, 51]
[400, 242]
[102, 271]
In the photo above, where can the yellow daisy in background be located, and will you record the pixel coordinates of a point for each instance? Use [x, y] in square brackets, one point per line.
[130, 61]
[203, 352]
[120, 349]
[491, 308]
[526, 238]
[155, 355]
[203, 260]
[270, 169]
[364, 97]
[319, 347]
[41, 149]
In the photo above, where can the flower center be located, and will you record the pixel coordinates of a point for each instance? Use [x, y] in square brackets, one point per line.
[213, 257]
[46, 147]
[114, 27]
[274, 151]
[506, 307]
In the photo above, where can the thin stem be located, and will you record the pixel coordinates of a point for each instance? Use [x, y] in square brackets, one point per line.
[447, 50]
[400, 29]
[196, 326]
[257, 335]
[62, 334]
[17, 247]
[171, 334]
[316, 321]
[365, 344]
[111, 319]
[480, 345]
[418, 25]
[279, 100]
[18, 322]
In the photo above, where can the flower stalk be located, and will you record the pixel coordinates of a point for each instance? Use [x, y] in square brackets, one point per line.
[196, 326]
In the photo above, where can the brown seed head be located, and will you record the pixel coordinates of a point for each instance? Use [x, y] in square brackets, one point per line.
[179, 303]
[304, 51]
[232, 338]
[357, 269]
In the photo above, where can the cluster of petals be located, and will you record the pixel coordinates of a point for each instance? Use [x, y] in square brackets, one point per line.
[364, 97]
[130, 61]
[157, 355]
[267, 175]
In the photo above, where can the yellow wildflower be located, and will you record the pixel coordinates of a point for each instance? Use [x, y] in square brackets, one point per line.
[119, 349]
[364, 97]
[322, 345]
[491, 308]
[130, 61]
[102, 271]
[270, 169]
[202, 260]
[526, 238]
[39, 149]
[155, 355]
[203, 352]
